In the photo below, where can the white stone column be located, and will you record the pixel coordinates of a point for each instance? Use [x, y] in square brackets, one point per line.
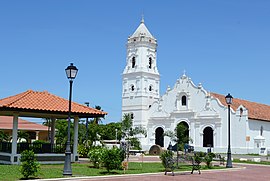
[14, 157]
[75, 142]
[197, 137]
[37, 135]
[52, 130]
[218, 135]
[192, 132]
[177, 103]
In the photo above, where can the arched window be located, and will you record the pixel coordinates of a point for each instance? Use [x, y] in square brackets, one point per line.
[133, 62]
[132, 87]
[241, 111]
[184, 100]
[150, 88]
[150, 63]
[131, 115]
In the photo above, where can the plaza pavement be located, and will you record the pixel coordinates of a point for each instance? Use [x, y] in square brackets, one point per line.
[240, 172]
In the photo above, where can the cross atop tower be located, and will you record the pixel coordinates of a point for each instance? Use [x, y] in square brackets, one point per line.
[142, 21]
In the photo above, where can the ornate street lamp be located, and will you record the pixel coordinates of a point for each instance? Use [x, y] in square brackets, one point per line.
[229, 100]
[71, 72]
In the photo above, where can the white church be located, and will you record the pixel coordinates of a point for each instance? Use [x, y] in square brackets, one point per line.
[205, 114]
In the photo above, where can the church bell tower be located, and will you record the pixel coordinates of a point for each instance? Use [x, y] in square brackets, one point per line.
[140, 79]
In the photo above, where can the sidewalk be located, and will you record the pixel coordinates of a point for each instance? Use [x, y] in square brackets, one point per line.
[245, 172]
[240, 172]
[249, 157]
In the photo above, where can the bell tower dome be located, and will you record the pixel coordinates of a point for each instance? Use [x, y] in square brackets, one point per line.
[141, 78]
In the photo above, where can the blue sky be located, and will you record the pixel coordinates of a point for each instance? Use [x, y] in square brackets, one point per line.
[225, 45]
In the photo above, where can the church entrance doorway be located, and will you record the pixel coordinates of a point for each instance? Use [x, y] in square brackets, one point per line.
[159, 137]
[182, 131]
[208, 137]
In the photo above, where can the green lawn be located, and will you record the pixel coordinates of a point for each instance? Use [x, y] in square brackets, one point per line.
[11, 172]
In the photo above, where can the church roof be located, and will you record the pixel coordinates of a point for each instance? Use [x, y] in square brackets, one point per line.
[256, 111]
[45, 102]
[6, 123]
[142, 30]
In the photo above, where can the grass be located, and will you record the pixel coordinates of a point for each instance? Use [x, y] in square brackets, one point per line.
[253, 154]
[11, 172]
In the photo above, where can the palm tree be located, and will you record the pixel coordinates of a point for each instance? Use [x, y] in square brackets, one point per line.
[97, 120]
[47, 123]
[3, 136]
[23, 135]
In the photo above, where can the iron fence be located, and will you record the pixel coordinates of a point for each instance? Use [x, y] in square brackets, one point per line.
[36, 147]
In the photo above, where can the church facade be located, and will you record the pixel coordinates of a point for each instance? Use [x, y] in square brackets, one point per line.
[205, 114]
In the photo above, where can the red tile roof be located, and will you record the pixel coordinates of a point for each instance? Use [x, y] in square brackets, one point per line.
[256, 111]
[6, 122]
[45, 102]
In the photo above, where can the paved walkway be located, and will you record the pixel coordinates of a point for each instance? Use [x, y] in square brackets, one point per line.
[241, 172]
[248, 173]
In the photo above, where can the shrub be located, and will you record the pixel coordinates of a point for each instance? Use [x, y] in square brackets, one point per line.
[208, 159]
[198, 157]
[83, 150]
[166, 155]
[112, 158]
[29, 165]
[95, 155]
[135, 144]
[40, 142]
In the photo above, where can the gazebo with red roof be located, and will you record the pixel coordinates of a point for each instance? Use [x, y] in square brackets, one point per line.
[42, 105]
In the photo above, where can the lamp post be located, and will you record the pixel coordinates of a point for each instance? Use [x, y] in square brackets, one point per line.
[116, 135]
[86, 123]
[71, 72]
[229, 100]
[170, 146]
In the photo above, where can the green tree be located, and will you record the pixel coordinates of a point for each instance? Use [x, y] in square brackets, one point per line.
[47, 122]
[23, 135]
[3, 136]
[93, 133]
[61, 125]
[129, 132]
[180, 135]
[97, 120]
[109, 131]
[81, 132]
